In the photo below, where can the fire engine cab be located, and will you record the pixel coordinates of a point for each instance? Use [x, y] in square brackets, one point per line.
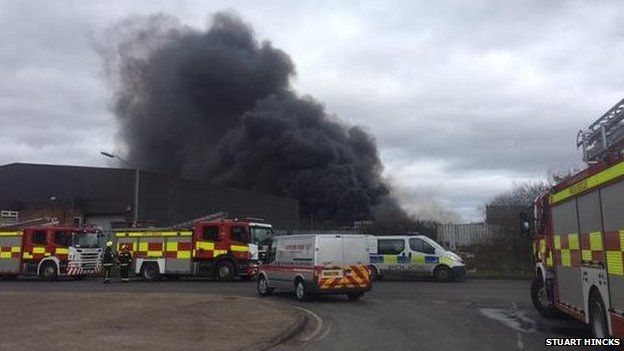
[579, 234]
[209, 248]
[49, 252]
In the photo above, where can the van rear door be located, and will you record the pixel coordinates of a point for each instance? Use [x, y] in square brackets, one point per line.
[330, 256]
[330, 250]
[355, 250]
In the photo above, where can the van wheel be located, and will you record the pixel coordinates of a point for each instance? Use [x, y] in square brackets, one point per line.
[355, 296]
[225, 271]
[48, 271]
[598, 317]
[539, 297]
[301, 292]
[150, 272]
[375, 273]
[443, 274]
[263, 287]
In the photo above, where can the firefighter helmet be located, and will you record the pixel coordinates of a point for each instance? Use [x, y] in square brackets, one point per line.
[109, 243]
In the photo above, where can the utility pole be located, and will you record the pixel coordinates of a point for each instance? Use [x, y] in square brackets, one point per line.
[137, 174]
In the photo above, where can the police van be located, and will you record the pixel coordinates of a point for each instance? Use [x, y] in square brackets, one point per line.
[413, 255]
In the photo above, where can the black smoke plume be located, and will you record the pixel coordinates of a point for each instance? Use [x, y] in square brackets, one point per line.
[217, 105]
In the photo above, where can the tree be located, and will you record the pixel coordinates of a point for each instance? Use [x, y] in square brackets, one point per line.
[511, 252]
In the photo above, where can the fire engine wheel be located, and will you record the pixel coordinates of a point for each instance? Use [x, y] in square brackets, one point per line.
[540, 300]
[226, 271]
[150, 272]
[263, 287]
[443, 274]
[598, 317]
[301, 292]
[48, 271]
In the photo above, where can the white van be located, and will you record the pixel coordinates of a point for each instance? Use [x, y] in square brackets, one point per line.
[413, 255]
[317, 264]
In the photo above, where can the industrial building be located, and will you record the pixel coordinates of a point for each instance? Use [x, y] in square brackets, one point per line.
[106, 197]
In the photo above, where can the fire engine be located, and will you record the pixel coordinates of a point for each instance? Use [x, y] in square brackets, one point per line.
[579, 234]
[210, 248]
[49, 251]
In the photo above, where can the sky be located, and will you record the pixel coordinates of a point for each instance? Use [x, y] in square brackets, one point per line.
[464, 98]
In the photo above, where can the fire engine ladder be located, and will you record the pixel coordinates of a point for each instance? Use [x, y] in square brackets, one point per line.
[603, 137]
[189, 224]
[179, 226]
[37, 222]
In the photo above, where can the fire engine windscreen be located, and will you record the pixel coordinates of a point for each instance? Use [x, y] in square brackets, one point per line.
[86, 239]
[261, 235]
[217, 105]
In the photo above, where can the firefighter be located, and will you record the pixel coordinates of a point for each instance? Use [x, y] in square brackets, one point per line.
[125, 258]
[108, 259]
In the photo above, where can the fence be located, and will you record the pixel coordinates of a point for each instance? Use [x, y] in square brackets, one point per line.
[458, 235]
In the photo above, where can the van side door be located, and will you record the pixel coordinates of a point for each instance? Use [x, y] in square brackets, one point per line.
[423, 256]
[391, 256]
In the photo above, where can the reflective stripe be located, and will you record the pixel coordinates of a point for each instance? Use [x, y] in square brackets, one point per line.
[390, 258]
[10, 233]
[418, 258]
[595, 241]
[204, 245]
[446, 260]
[38, 250]
[565, 258]
[216, 253]
[10, 252]
[614, 263]
[152, 234]
[556, 241]
[142, 246]
[239, 248]
[172, 246]
[344, 277]
[573, 241]
[61, 251]
[183, 254]
[589, 183]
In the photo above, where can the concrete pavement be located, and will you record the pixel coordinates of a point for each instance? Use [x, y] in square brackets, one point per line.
[70, 320]
[468, 315]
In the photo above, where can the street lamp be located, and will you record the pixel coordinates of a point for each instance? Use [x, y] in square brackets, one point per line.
[136, 184]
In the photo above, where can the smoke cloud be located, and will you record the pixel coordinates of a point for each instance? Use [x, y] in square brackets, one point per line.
[217, 105]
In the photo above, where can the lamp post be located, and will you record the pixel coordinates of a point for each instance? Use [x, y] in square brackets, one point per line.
[135, 212]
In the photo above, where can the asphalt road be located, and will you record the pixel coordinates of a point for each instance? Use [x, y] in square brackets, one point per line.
[407, 315]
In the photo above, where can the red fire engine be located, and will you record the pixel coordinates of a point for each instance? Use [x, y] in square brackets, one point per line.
[218, 248]
[49, 252]
[579, 234]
